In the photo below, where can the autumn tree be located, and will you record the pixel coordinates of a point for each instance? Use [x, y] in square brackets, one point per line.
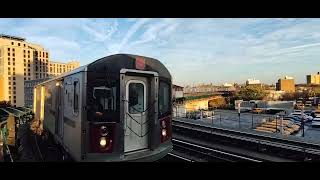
[251, 93]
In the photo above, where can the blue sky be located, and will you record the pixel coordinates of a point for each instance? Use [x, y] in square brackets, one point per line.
[194, 50]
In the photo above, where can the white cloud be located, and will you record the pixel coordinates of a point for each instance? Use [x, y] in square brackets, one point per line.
[100, 30]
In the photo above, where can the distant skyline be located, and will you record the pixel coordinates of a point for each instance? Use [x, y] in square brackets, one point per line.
[194, 50]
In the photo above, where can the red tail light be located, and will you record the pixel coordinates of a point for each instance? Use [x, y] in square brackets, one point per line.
[165, 129]
[101, 137]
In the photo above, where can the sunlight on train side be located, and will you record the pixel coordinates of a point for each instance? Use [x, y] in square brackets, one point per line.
[34, 100]
[42, 104]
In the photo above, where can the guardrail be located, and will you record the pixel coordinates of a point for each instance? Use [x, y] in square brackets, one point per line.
[225, 118]
[307, 148]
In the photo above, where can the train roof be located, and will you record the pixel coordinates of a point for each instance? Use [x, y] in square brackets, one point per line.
[114, 63]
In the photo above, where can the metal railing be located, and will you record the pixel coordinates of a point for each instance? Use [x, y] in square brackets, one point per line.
[228, 118]
[141, 124]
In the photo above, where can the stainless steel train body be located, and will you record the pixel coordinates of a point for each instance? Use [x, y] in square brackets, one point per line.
[117, 108]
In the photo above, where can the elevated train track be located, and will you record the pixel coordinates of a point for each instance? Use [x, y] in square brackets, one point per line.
[233, 143]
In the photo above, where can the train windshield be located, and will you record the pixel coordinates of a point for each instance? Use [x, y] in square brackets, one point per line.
[164, 98]
[104, 98]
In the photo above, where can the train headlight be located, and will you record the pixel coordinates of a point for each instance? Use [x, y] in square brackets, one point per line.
[104, 131]
[103, 142]
[164, 132]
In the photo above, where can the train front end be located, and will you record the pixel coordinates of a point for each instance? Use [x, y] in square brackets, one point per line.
[129, 113]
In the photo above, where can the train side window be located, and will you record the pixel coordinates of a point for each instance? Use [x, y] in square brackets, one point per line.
[76, 90]
[164, 98]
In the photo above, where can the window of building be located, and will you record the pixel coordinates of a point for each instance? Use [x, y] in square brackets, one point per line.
[28, 60]
[12, 43]
[14, 63]
[8, 49]
[9, 87]
[28, 78]
[14, 83]
[24, 45]
[28, 56]
[24, 64]
[14, 92]
[9, 78]
[9, 83]
[24, 56]
[8, 63]
[25, 78]
[8, 54]
[13, 59]
[28, 70]
[14, 101]
[8, 59]
[13, 49]
[28, 65]
[28, 74]
[14, 88]
[28, 52]
[13, 54]
[18, 44]
[14, 73]
[9, 97]
[9, 73]
[24, 60]
[25, 74]
[14, 78]
[24, 51]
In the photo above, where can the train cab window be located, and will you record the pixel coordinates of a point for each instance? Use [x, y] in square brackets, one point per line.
[164, 98]
[105, 98]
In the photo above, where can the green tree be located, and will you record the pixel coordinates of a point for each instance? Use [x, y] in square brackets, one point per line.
[5, 104]
[251, 93]
[289, 96]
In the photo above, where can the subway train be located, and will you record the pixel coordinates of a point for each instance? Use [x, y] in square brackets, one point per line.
[117, 108]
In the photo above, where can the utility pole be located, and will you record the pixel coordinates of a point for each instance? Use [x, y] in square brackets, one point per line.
[239, 107]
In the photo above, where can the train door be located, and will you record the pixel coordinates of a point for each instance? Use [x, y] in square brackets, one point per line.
[59, 109]
[136, 116]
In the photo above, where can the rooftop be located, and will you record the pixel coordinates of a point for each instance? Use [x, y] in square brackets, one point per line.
[12, 37]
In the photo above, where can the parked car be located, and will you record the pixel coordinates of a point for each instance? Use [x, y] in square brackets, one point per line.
[307, 112]
[257, 110]
[296, 112]
[316, 121]
[293, 119]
